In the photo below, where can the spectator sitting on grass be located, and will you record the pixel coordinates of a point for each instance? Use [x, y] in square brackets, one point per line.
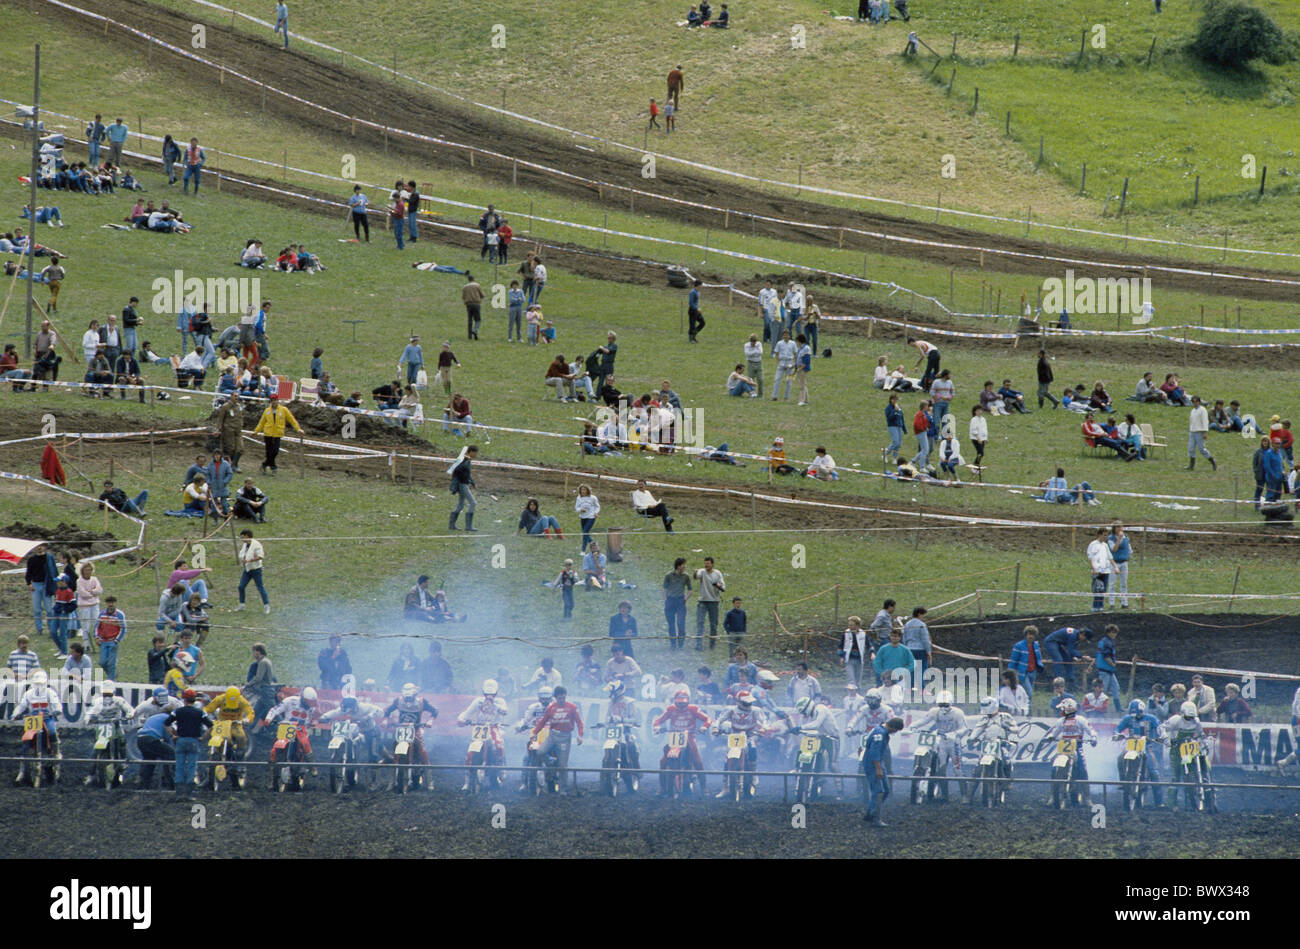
[1174, 391]
[1058, 490]
[457, 413]
[1013, 399]
[535, 522]
[739, 384]
[559, 376]
[822, 467]
[1100, 399]
[191, 370]
[1073, 400]
[991, 402]
[253, 256]
[1148, 391]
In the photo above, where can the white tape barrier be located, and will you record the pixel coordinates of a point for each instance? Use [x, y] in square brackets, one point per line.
[98, 436]
[39, 482]
[556, 172]
[660, 156]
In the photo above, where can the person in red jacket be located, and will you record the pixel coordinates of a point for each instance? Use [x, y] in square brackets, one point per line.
[505, 234]
[681, 716]
[560, 717]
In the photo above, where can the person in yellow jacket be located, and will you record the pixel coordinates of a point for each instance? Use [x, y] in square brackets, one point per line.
[271, 426]
[231, 706]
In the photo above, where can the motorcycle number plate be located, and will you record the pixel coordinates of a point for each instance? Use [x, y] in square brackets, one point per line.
[33, 723]
[482, 732]
[614, 733]
[677, 739]
[993, 748]
[405, 733]
[1067, 747]
[104, 733]
[221, 730]
[810, 745]
[865, 741]
[287, 731]
[1189, 750]
[737, 740]
[340, 730]
[927, 739]
[1136, 745]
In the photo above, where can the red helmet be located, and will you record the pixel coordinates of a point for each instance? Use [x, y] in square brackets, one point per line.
[682, 698]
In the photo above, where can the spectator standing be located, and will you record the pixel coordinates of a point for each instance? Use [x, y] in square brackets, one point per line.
[916, 637]
[505, 234]
[1027, 659]
[587, 507]
[539, 279]
[413, 211]
[1061, 646]
[446, 360]
[1106, 664]
[675, 586]
[921, 425]
[802, 366]
[489, 223]
[768, 303]
[22, 661]
[607, 354]
[855, 651]
[190, 722]
[735, 624]
[472, 295]
[89, 590]
[435, 671]
[793, 303]
[117, 134]
[397, 214]
[359, 213]
[42, 577]
[110, 630]
[895, 424]
[260, 685]
[785, 352]
[754, 363]
[1234, 708]
[1202, 696]
[194, 161]
[622, 628]
[171, 154]
[515, 301]
[942, 392]
[1198, 424]
[695, 319]
[711, 584]
[462, 481]
[334, 663]
[802, 685]
[930, 355]
[96, 132]
[1120, 551]
[282, 22]
[1102, 563]
[676, 84]
[1045, 379]
[413, 359]
[252, 558]
[271, 426]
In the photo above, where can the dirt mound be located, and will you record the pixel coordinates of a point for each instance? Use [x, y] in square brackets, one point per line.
[64, 536]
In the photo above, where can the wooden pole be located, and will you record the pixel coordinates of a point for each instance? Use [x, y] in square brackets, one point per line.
[1083, 182]
[1015, 588]
[1235, 580]
[951, 80]
[1123, 199]
[1196, 193]
[1152, 51]
[1015, 50]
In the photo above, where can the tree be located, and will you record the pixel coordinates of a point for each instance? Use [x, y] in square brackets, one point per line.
[1232, 34]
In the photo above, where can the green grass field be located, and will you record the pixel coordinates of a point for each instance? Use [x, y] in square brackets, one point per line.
[344, 548]
[742, 84]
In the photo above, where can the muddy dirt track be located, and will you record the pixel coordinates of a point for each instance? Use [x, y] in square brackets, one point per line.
[377, 824]
[359, 94]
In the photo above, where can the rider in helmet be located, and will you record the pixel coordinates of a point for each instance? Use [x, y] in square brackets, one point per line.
[873, 712]
[231, 706]
[950, 722]
[819, 720]
[366, 715]
[853, 700]
[681, 716]
[300, 710]
[39, 699]
[532, 715]
[994, 724]
[491, 710]
[747, 718]
[1139, 723]
[108, 705]
[1073, 726]
[1183, 726]
[622, 711]
[561, 718]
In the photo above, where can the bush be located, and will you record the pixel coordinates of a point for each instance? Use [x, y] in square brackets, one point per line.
[1232, 34]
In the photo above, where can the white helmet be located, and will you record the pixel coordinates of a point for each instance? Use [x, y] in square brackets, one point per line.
[40, 677]
[988, 705]
[1068, 707]
[107, 687]
[803, 705]
[768, 677]
[545, 693]
[745, 700]
[308, 696]
[1188, 709]
[410, 690]
[490, 687]
[944, 699]
[874, 698]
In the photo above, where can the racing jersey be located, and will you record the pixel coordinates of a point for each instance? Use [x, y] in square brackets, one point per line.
[736, 719]
[532, 715]
[39, 700]
[1074, 727]
[149, 708]
[1180, 729]
[688, 719]
[560, 717]
[485, 711]
[292, 710]
[999, 727]
[868, 718]
[821, 723]
[243, 712]
[115, 709]
[946, 721]
[763, 699]
[1145, 725]
[409, 711]
[623, 712]
[364, 715]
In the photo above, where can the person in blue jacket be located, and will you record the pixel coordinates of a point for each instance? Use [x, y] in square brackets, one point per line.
[1121, 552]
[1139, 723]
[876, 765]
[1020, 660]
[1061, 648]
[1106, 663]
[897, 425]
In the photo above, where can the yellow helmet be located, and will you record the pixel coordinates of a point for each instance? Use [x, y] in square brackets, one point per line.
[232, 697]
